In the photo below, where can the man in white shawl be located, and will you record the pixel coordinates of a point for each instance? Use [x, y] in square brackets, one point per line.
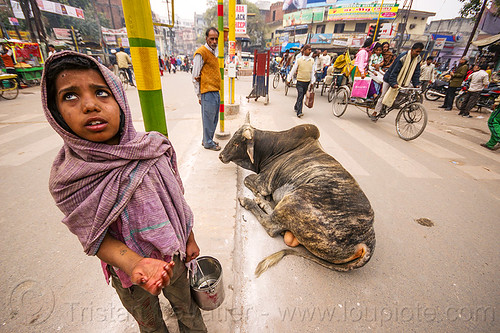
[403, 71]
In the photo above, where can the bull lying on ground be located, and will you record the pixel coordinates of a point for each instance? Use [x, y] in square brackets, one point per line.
[306, 194]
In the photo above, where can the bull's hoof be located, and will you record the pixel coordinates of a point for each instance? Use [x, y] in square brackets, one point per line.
[290, 239]
[246, 203]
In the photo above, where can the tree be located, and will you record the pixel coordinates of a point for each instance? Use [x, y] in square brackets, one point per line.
[471, 8]
[255, 21]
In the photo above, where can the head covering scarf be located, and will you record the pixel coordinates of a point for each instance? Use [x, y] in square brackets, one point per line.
[94, 184]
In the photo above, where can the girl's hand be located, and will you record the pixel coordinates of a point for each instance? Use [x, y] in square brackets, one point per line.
[152, 275]
[192, 249]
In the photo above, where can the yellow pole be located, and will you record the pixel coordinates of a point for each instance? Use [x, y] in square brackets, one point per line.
[378, 19]
[141, 38]
[232, 43]
[220, 14]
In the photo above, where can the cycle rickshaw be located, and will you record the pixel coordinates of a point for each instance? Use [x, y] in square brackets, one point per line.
[9, 89]
[410, 120]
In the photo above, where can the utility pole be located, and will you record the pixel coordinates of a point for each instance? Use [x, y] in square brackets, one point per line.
[111, 14]
[476, 24]
[400, 42]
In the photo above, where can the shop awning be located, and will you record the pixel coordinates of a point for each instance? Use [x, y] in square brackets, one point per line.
[486, 41]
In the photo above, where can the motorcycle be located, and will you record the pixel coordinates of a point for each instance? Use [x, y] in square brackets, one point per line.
[436, 90]
[486, 99]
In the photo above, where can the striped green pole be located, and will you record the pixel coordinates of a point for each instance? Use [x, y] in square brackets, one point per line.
[141, 38]
[220, 14]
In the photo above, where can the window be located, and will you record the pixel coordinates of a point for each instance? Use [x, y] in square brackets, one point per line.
[272, 35]
[360, 27]
[401, 27]
[320, 29]
[339, 28]
[274, 15]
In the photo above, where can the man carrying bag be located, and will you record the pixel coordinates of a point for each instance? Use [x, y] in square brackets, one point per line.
[304, 67]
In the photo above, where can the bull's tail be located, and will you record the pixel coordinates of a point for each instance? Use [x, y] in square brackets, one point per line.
[274, 258]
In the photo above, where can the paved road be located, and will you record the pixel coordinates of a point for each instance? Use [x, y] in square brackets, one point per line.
[421, 279]
[432, 279]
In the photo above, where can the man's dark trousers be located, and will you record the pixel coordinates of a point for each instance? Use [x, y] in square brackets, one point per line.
[450, 97]
[301, 91]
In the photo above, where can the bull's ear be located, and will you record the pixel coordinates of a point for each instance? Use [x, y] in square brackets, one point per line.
[248, 134]
[250, 150]
[247, 118]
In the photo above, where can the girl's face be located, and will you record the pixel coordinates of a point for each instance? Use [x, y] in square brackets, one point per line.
[385, 48]
[86, 103]
[378, 51]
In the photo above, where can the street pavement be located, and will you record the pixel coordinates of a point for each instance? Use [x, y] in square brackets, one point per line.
[442, 278]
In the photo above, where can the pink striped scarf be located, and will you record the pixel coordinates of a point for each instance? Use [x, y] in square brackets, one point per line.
[94, 184]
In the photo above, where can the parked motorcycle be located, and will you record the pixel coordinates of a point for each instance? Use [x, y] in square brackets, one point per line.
[436, 90]
[486, 100]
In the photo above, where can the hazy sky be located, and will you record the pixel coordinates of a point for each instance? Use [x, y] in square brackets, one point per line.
[443, 8]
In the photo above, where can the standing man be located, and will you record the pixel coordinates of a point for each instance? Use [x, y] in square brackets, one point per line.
[325, 62]
[206, 80]
[52, 50]
[123, 60]
[427, 73]
[112, 62]
[304, 66]
[455, 82]
[478, 82]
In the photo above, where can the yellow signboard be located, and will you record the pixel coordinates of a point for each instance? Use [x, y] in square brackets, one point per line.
[362, 12]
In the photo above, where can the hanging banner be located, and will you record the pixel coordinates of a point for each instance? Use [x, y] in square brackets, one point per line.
[362, 12]
[13, 21]
[58, 8]
[320, 39]
[16, 8]
[62, 34]
[241, 19]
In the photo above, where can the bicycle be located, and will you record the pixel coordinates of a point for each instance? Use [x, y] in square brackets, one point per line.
[411, 119]
[9, 89]
[331, 84]
[123, 76]
[280, 74]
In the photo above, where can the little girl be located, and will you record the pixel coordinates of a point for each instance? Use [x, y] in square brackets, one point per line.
[120, 191]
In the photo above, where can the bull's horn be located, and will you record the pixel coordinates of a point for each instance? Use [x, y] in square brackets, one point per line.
[247, 118]
[248, 134]
[250, 151]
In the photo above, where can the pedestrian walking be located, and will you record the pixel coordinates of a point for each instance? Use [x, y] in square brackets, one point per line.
[456, 80]
[120, 192]
[478, 81]
[304, 67]
[494, 126]
[113, 62]
[404, 70]
[160, 64]
[427, 73]
[206, 79]
[124, 60]
[52, 50]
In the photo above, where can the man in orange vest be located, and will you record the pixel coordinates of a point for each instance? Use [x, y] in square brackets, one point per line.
[206, 80]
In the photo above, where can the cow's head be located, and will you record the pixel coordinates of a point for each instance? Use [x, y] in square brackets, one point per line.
[240, 149]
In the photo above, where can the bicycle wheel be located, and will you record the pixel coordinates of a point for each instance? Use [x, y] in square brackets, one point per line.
[340, 101]
[124, 80]
[9, 89]
[430, 95]
[459, 102]
[411, 121]
[276, 80]
[323, 88]
[331, 92]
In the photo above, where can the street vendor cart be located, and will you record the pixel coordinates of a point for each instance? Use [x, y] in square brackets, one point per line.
[260, 82]
[29, 61]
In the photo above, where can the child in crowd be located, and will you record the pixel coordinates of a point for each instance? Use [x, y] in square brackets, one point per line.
[374, 70]
[120, 191]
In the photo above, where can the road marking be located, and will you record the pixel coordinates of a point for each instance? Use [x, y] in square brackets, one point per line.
[436, 150]
[464, 143]
[398, 160]
[31, 151]
[22, 118]
[478, 172]
[20, 132]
